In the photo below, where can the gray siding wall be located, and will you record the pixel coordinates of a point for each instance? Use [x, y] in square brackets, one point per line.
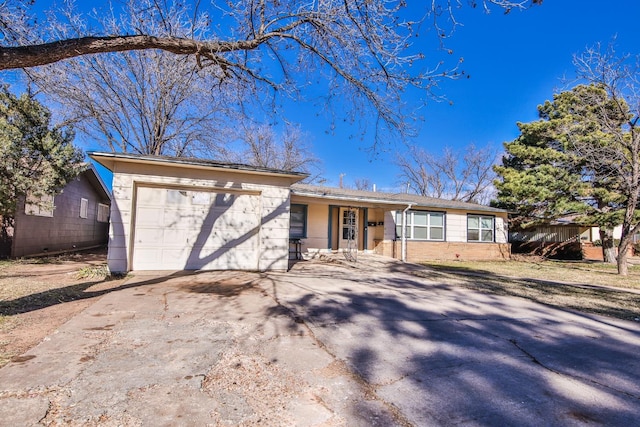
[65, 230]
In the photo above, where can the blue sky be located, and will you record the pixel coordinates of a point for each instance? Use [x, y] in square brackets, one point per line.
[516, 62]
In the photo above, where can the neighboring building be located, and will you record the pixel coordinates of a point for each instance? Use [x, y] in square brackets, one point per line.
[563, 239]
[76, 218]
[556, 240]
[188, 214]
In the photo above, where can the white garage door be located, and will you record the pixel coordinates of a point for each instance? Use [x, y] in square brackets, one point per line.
[187, 229]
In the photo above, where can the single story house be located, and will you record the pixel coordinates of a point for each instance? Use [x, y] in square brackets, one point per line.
[328, 219]
[189, 214]
[76, 218]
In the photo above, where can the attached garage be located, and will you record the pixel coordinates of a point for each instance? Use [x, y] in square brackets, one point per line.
[187, 214]
[191, 229]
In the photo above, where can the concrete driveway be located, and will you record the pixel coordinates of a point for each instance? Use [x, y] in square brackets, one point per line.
[324, 344]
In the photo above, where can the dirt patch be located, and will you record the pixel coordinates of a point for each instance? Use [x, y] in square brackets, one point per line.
[225, 287]
[37, 295]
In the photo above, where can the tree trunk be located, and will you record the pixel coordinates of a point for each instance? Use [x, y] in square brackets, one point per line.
[608, 248]
[623, 268]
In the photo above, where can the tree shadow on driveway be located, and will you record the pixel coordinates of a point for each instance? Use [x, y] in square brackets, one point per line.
[607, 301]
[225, 287]
[446, 354]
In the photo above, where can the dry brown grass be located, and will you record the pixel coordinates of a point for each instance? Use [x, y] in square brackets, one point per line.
[39, 294]
[583, 286]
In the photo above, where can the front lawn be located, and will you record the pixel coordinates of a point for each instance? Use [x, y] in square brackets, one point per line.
[39, 294]
[583, 286]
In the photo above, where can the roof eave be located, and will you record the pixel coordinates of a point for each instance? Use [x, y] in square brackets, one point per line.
[393, 203]
[108, 159]
[313, 195]
[98, 179]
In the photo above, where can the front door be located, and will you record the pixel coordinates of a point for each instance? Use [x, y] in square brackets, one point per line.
[348, 238]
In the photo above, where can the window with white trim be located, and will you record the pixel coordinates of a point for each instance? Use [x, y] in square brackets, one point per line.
[84, 208]
[103, 213]
[480, 228]
[421, 225]
[41, 205]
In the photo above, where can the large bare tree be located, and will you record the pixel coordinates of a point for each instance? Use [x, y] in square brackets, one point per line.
[262, 145]
[147, 102]
[457, 175]
[363, 53]
[142, 102]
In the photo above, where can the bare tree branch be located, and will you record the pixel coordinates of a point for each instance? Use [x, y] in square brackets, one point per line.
[361, 51]
[262, 145]
[453, 175]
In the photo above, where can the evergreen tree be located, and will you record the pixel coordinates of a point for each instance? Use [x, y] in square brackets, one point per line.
[555, 167]
[36, 159]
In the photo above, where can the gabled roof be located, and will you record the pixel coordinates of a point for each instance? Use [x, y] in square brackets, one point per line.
[108, 160]
[381, 198]
[96, 181]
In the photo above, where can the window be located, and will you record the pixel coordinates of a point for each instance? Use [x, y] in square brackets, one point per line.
[298, 222]
[421, 225]
[39, 205]
[103, 213]
[480, 228]
[84, 208]
[177, 197]
[200, 198]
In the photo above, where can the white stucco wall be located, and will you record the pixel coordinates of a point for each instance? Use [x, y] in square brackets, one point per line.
[317, 228]
[274, 204]
[595, 233]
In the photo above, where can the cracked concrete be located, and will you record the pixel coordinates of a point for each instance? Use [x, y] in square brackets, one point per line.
[445, 355]
[204, 349]
[324, 345]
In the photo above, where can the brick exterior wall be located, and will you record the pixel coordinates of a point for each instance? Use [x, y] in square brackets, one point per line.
[425, 251]
[594, 253]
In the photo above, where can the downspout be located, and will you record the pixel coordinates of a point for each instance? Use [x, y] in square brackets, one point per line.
[365, 223]
[403, 241]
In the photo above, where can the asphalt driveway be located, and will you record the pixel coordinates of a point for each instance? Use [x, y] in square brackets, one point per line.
[324, 344]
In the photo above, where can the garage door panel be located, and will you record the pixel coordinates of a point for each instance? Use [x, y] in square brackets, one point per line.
[239, 260]
[147, 257]
[211, 246]
[182, 217]
[179, 237]
[149, 236]
[191, 218]
[177, 229]
[235, 223]
[175, 257]
[147, 196]
[152, 216]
